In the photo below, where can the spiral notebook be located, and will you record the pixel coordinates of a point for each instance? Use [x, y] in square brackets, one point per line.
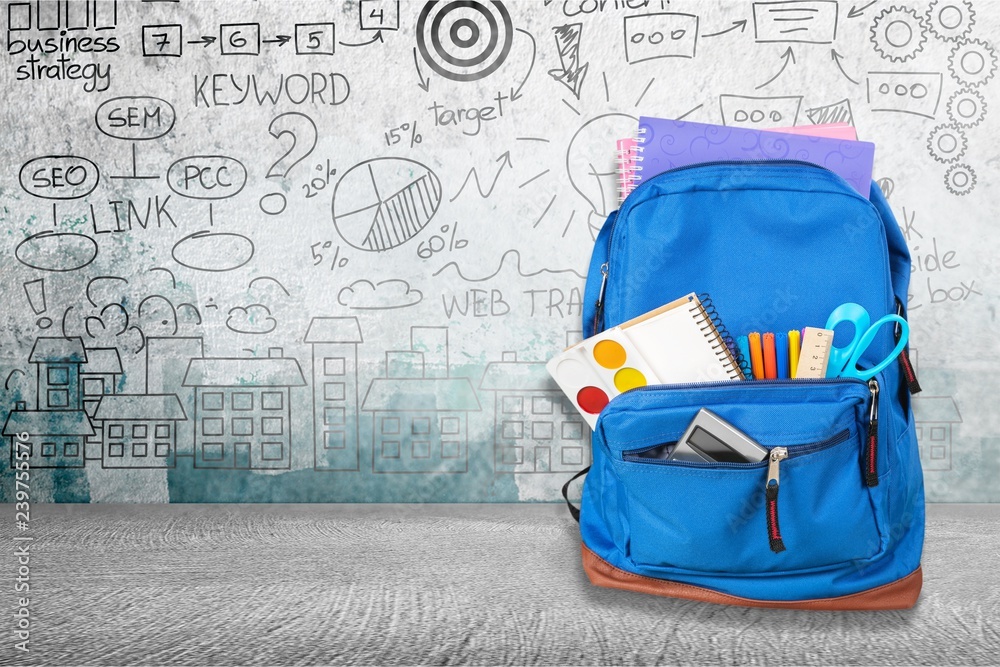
[682, 341]
[665, 144]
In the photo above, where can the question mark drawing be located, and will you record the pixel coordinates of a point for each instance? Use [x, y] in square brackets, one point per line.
[302, 131]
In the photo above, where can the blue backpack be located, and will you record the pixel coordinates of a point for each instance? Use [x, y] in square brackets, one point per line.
[777, 245]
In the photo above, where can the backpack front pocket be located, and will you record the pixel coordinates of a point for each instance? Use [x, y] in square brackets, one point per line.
[816, 510]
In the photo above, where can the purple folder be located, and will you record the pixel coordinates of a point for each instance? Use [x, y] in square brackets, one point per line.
[668, 144]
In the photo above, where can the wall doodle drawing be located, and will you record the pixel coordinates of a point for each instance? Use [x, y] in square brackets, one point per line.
[287, 250]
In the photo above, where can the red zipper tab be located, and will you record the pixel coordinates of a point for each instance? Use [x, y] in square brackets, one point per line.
[908, 372]
[771, 494]
[871, 452]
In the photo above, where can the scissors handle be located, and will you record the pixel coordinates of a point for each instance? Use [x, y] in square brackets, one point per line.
[839, 356]
[852, 370]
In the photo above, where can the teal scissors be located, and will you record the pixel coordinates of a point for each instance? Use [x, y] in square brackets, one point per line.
[844, 360]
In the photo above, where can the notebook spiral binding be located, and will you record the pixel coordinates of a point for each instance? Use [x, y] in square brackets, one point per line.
[626, 160]
[724, 346]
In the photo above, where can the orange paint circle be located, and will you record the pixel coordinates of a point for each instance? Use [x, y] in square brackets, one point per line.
[629, 378]
[609, 353]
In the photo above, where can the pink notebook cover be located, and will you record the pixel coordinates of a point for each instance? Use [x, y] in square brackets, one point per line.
[626, 167]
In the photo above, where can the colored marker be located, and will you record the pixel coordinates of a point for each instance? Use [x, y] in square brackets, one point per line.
[770, 362]
[794, 345]
[756, 356]
[743, 344]
[781, 353]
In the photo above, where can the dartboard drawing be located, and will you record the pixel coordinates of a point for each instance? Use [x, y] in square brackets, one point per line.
[464, 40]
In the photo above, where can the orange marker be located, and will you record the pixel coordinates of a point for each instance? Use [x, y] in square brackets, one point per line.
[756, 356]
[770, 357]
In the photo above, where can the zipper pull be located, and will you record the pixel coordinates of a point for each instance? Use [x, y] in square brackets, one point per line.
[871, 453]
[599, 306]
[777, 455]
[904, 357]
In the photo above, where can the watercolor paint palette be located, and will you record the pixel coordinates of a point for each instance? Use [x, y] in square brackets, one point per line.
[677, 342]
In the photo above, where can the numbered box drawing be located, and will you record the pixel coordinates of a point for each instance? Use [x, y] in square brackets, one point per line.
[162, 41]
[535, 429]
[315, 39]
[664, 35]
[239, 39]
[379, 14]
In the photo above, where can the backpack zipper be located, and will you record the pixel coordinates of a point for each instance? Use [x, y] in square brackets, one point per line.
[871, 455]
[605, 268]
[777, 455]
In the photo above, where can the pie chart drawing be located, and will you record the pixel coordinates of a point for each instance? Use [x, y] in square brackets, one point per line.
[384, 202]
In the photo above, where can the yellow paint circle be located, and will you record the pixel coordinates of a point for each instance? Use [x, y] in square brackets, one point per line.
[629, 378]
[609, 353]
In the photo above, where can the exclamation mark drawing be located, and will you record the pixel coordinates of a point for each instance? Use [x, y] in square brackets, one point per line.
[35, 291]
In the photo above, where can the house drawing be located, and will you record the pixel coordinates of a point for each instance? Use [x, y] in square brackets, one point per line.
[98, 377]
[934, 417]
[57, 362]
[139, 430]
[419, 413]
[55, 437]
[242, 410]
[334, 342]
[167, 361]
[535, 429]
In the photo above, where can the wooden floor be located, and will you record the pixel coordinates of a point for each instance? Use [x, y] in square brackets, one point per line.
[438, 584]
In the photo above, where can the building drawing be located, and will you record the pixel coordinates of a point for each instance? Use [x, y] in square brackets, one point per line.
[419, 413]
[242, 410]
[58, 361]
[166, 364]
[55, 437]
[139, 430]
[334, 342]
[535, 430]
[98, 376]
[934, 417]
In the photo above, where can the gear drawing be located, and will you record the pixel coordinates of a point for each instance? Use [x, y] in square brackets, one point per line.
[898, 34]
[947, 143]
[960, 179]
[973, 62]
[951, 19]
[967, 107]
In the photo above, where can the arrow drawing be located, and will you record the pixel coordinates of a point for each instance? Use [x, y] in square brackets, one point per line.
[376, 38]
[856, 11]
[424, 83]
[516, 94]
[787, 55]
[742, 25]
[570, 73]
[205, 40]
[836, 58]
[281, 40]
[504, 161]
